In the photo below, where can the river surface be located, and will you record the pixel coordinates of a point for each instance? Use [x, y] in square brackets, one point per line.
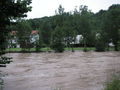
[60, 71]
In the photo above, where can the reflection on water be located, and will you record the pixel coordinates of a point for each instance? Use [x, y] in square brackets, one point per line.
[60, 71]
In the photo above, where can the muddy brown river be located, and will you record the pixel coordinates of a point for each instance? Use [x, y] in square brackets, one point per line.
[60, 71]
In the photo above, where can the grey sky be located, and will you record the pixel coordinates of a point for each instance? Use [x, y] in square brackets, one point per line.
[43, 8]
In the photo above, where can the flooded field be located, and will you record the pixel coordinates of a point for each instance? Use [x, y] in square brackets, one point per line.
[60, 71]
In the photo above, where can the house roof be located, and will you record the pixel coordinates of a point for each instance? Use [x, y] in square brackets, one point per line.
[13, 32]
[32, 32]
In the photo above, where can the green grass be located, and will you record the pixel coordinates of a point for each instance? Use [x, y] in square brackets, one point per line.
[80, 48]
[49, 49]
[113, 85]
[46, 49]
[1, 84]
[13, 49]
[32, 49]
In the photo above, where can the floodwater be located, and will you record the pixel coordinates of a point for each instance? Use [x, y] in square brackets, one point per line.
[60, 71]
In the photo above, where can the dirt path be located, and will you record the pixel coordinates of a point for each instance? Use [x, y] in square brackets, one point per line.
[60, 71]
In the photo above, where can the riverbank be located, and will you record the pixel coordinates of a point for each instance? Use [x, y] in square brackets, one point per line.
[33, 50]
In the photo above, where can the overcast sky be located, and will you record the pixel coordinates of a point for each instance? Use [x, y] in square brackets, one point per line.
[41, 8]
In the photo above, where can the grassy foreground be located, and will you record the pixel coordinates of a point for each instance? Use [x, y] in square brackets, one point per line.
[114, 84]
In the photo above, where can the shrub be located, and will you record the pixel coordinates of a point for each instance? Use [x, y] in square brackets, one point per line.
[5, 60]
[100, 46]
[113, 85]
[57, 42]
[1, 84]
[58, 46]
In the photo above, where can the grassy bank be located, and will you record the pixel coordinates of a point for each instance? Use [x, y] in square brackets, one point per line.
[20, 49]
[49, 49]
[114, 84]
[46, 49]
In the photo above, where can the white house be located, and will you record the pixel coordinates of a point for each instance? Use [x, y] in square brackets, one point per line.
[34, 36]
[13, 40]
[78, 39]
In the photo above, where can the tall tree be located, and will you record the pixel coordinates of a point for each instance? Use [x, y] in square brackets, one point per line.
[82, 24]
[69, 31]
[9, 10]
[59, 16]
[23, 32]
[112, 24]
[57, 40]
[58, 34]
[85, 25]
[45, 30]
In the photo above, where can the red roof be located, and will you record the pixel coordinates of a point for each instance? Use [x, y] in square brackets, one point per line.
[32, 32]
[35, 32]
[13, 32]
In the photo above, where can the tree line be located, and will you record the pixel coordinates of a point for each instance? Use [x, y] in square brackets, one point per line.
[59, 31]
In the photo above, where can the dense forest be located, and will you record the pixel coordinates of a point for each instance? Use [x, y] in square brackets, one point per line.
[59, 31]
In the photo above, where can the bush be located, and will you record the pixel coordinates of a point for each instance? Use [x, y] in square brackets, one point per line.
[57, 40]
[38, 47]
[1, 84]
[113, 85]
[100, 46]
[58, 46]
[5, 60]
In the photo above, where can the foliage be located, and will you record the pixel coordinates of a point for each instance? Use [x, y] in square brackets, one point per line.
[100, 42]
[57, 42]
[5, 60]
[114, 84]
[58, 46]
[69, 31]
[100, 45]
[1, 84]
[23, 34]
[80, 22]
[9, 10]
[39, 43]
[112, 24]
[45, 49]
[45, 30]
